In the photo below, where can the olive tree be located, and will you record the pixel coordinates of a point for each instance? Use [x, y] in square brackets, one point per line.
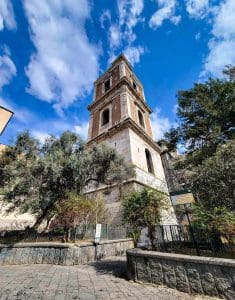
[35, 176]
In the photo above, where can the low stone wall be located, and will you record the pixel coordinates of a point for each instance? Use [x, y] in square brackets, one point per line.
[61, 254]
[191, 274]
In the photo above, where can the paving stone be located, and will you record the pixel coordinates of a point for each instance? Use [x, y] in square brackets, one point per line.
[102, 280]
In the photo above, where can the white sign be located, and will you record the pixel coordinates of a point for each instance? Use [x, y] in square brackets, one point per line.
[97, 233]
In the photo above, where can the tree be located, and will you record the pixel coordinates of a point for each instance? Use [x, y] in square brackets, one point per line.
[230, 72]
[213, 181]
[206, 114]
[78, 210]
[143, 209]
[36, 177]
[216, 220]
[213, 186]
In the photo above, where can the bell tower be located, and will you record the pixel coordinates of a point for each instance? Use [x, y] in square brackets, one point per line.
[120, 117]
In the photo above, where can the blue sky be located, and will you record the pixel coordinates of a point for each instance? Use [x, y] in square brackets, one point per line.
[51, 52]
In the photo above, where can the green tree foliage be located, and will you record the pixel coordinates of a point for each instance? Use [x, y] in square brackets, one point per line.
[36, 177]
[143, 209]
[206, 113]
[206, 129]
[77, 210]
[213, 181]
[215, 220]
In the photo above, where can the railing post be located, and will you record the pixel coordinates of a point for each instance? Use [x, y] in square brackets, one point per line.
[106, 229]
[163, 239]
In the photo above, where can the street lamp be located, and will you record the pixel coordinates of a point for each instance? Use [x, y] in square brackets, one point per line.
[5, 116]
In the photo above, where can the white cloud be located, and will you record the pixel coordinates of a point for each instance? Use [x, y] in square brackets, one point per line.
[82, 129]
[121, 34]
[221, 53]
[166, 10]
[65, 63]
[115, 36]
[56, 127]
[133, 54]
[106, 16]
[160, 124]
[7, 70]
[197, 8]
[197, 36]
[175, 19]
[40, 135]
[129, 16]
[224, 24]
[222, 45]
[7, 18]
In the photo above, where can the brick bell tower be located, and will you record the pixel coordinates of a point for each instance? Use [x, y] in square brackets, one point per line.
[120, 117]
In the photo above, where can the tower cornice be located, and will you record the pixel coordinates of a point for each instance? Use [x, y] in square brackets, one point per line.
[127, 123]
[123, 80]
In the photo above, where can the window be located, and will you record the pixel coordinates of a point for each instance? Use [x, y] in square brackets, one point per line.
[149, 161]
[107, 85]
[105, 117]
[134, 85]
[141, 118]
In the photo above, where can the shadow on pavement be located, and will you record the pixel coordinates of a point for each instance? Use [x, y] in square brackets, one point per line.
[117, 268]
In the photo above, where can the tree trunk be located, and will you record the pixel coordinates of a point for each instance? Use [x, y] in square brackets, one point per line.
[39, 221]
[152, 237]
[42, 216]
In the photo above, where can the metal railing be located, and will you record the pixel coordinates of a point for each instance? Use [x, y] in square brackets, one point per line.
[190, 240]
[169, 238]
[108, 232]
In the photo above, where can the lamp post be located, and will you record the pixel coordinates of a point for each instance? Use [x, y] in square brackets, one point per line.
[5, 116]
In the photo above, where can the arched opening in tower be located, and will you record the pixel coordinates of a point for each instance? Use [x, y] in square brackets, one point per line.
[105, 117]
[141, 118]
[149, 161]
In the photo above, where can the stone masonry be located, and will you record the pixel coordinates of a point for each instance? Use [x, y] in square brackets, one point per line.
[61, 254]
[190, 274]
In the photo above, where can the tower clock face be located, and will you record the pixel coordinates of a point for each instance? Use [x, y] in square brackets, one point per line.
[5, 116]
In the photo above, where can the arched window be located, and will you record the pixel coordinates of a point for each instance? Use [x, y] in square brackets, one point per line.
[149, 161]
[141, 118]
[105, 117]
[107, 85]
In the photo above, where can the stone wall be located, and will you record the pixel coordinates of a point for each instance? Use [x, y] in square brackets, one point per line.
[61, 254]
[191, 274]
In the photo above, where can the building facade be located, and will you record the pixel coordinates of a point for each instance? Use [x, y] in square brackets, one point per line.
[120, 117]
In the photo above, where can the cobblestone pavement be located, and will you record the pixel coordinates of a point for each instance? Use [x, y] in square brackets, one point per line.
[101, 280]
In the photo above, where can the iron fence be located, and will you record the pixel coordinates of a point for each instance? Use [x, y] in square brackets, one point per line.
[190, 240]
[169, 238]
[86, 232]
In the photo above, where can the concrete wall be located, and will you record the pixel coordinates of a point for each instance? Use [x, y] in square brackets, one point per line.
[191, 274]
[61, 254]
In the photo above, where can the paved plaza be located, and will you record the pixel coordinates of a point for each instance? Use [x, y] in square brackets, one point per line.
[100, 280]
